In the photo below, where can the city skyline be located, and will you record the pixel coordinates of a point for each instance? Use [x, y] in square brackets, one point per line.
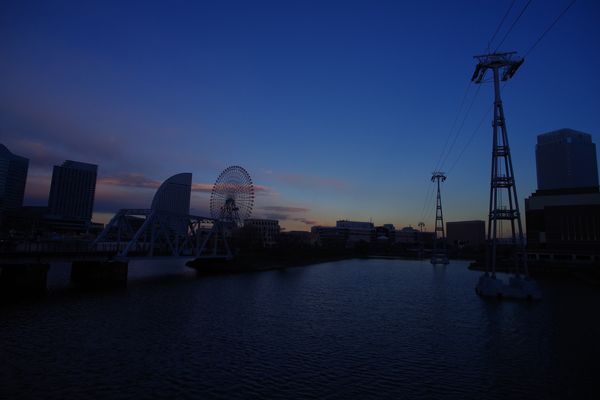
[337, 112]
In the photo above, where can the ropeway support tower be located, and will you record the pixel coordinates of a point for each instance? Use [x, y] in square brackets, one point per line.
[439, 255]
[504, 202]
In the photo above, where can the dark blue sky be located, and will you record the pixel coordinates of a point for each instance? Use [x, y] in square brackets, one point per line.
[337, 109]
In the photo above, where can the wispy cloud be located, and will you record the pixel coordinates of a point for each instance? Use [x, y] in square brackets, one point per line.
[284, 213]
[46, 138]
[309, 222]
[130, 180]
[110, 198]
[207, 188]
[277, 216]
[37, 189]
[264, 190]
[142, 181]
[311, 182]
[287, 217]
[202, 187]
[40, 154]
[284, 209]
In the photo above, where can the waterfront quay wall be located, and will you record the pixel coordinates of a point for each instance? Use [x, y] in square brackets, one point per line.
[30, 278]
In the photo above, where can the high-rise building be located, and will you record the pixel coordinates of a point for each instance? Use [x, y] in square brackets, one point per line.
[72, 190]
[566, 159]
[563, 215]
[13, 175]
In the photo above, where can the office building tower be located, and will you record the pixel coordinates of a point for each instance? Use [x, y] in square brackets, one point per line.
[566, 159]
[13, 175]
[563, 215]
[72, 190]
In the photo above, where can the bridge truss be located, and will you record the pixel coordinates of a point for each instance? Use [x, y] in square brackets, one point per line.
[153, 233]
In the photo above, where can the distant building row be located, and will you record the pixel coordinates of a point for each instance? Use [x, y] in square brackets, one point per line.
[349, 233]
[562, 216]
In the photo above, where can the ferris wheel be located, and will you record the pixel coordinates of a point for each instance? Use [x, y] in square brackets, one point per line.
[232, 196]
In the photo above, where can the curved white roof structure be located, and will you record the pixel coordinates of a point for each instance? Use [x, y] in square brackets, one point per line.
[173, 195]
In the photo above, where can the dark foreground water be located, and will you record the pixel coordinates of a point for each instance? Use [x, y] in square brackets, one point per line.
[348, 329]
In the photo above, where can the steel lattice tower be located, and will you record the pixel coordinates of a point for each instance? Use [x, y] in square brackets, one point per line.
[503, 66]
[439, 255]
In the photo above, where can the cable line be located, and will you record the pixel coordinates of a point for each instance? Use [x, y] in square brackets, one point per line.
[460, 127]
[549, 28]
[426, 202]
[483, 118]
[513, 24]
[500, 25]
[462, 103]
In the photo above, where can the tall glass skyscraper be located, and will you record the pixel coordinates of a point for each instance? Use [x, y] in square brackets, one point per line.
[72, 190]
[13, 175]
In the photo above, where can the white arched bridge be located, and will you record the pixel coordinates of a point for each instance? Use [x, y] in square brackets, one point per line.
[165, 229]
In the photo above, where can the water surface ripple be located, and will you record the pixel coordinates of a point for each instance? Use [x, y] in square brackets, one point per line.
[348, 329]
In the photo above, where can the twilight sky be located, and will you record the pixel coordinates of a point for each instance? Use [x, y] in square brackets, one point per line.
[338, 110]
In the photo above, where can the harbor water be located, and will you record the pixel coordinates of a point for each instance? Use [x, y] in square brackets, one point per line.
[363, 328]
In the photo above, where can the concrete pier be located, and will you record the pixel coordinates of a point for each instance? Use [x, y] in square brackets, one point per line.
[99, 273]
[23, 279]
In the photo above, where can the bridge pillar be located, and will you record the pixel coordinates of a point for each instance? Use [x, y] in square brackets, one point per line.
[23, 279]
[99, 273]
